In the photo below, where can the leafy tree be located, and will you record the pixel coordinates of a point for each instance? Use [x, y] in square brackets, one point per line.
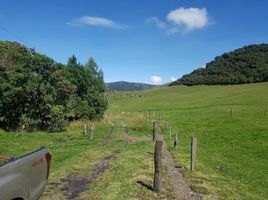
[38, 93]
[88, 79]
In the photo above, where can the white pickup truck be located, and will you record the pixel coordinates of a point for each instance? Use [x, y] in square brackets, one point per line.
[24, 178]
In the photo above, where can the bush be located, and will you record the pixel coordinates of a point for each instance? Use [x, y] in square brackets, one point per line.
[56, 119]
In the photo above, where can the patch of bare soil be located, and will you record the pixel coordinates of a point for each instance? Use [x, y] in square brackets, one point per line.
[181, 186]
[76, 184]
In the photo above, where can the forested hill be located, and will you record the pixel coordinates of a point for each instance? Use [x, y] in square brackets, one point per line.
[245, 65]
[127, 86]
[37, 93]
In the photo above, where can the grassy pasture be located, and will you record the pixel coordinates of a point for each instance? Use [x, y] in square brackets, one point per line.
[231, 125]
[129, 174]
[232, 155]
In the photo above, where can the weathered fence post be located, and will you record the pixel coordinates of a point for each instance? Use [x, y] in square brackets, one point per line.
[170, 132]
[193, 153]
[157, 165]
[265, 110]
[91, 131]
[176, 140]
[154, 131]
[167, 124]
[85, 129]
[231, 112]
[22, 131]
[111, 128]
[125, 128]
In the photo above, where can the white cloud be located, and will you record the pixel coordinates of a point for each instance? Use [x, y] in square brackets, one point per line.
[157, 22]
[96, 21]
[172, 78]
[182, 20]
[192, 18]
[155, 80]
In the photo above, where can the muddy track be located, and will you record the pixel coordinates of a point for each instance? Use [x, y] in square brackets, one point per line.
[181, 187]
[76, 184]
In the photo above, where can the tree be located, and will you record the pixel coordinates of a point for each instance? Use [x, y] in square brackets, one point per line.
[89, 101]
[38, 93]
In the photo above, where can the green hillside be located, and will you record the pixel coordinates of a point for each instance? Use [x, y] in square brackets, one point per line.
[231, 125]
[245, 65]
[127, 86]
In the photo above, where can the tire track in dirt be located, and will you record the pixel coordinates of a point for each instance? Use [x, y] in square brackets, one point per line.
[76, 184]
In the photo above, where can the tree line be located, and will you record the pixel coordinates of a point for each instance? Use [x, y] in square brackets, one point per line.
[37, 93]
[245, 65]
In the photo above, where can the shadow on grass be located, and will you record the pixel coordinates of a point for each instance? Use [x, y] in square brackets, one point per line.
[149, 187]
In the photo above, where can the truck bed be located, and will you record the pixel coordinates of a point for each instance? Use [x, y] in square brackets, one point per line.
[25, 177]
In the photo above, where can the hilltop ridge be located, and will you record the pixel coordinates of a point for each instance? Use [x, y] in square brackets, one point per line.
[244, 65]
[127, 86]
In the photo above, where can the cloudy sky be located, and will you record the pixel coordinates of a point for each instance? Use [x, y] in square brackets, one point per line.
[136, 40]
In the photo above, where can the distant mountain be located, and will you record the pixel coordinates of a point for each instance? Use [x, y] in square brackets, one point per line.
[244, 65]
[127, 86]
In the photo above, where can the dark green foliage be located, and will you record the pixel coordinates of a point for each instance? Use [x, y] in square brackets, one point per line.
[56, 118]
[37, 93]
[245, 65]
[88, 79]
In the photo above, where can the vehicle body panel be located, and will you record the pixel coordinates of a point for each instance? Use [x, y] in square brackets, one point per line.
[24, 177]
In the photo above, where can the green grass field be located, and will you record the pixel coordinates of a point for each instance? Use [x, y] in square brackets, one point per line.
[231, 125]
[74, 153]
[232, 155]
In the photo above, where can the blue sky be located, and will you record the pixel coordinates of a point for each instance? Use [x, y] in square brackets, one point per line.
[136, 40]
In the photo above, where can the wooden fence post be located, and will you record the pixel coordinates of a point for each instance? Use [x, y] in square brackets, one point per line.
[91, 132]
[22, 131]
[154, 131]
[193, 153]
[167, 125]
[125, 128]
[85, 129]
[231, 112]
[157, 165]
[265, 110]
[111, 128]
[176, 140]
[170, 133]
